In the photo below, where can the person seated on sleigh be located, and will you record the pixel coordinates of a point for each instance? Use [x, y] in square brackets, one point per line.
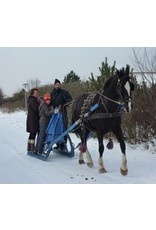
[60, 99]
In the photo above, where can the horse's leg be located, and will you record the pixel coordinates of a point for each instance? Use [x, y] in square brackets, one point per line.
[124, 169]
[89, 159]
[81, 160]
[119, 136]
[101, 150]
[83, 149]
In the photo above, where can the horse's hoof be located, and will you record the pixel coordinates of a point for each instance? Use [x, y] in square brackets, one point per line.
[81, 162]
[90, 165]
[103, 170]
[124, 172]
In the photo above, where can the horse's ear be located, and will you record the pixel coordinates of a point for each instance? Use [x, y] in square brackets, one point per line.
[121, 73]
[127, 70]
[117, 71]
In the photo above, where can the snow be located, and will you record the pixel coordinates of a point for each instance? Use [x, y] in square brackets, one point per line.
[61, 194]
[18, 168]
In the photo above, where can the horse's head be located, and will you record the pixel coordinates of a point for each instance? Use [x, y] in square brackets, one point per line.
[124, 88]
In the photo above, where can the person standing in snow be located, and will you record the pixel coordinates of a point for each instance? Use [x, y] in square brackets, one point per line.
[32, 122]
[60, 99]
[45, 113]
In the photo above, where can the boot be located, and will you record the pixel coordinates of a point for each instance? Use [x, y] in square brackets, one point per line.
[31, 145]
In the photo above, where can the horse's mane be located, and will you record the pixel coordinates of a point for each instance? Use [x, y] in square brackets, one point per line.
[119, 73]
[108, 82]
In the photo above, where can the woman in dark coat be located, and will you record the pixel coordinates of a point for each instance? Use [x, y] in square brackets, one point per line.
[32, 118]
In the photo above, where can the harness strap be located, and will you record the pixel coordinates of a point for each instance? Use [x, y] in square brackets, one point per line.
[103, 115]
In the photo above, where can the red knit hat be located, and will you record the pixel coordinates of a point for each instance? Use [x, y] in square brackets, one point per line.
[47, 97]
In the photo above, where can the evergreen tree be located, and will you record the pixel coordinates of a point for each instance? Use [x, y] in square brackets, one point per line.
[71, 77]
[106, 71]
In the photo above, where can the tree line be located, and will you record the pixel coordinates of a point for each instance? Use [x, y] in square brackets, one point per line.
[138, 126]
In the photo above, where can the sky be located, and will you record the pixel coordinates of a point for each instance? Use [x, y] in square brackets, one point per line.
[19, 65]
[64, 192]
[28, 30]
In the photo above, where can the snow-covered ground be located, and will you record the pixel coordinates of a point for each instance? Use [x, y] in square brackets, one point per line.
[61, 194]
[18, 168]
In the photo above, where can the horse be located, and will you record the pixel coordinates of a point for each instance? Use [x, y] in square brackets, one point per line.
[113, 99]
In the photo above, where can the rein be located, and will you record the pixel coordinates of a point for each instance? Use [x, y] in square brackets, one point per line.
[109, 99]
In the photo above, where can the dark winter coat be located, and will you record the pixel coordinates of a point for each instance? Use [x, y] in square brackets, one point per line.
[60, 97]
[33, 115]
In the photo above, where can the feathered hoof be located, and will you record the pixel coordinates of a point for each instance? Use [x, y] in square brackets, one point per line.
[81, 162]
[90, 165]
[124, 172]
[103, 170]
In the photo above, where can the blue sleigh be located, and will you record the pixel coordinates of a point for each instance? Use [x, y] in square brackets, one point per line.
[57, 138]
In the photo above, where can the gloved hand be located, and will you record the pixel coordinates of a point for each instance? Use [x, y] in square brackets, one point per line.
[60, 108]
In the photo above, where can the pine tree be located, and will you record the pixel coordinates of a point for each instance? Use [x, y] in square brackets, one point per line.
[96, 83]
[71, 77]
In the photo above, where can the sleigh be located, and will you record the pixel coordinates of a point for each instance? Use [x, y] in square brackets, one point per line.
[57, 138]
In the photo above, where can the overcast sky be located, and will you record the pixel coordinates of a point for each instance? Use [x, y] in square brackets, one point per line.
[68, 24]
[19, 65]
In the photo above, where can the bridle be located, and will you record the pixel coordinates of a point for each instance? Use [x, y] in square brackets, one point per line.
[124, 98]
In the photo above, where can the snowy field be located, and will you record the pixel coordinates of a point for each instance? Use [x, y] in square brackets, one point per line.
[61, 194]
[18, 168]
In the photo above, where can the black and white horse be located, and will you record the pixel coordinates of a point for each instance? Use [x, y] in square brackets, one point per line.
[113, 99]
